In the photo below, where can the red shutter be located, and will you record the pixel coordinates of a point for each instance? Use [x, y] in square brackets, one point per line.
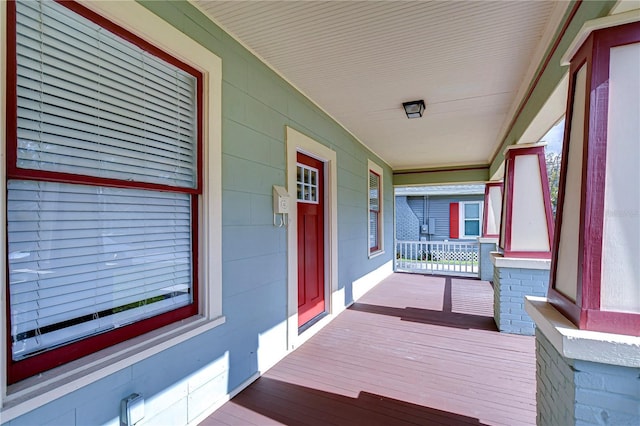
[454, 221]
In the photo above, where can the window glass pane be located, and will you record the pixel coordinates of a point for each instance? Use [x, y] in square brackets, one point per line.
[472, 211]
[374, 180]
[374, 185]
[91, 103]
[373, 230]
[84, 260]
[307, 184]
[472, 227]
[373, 204]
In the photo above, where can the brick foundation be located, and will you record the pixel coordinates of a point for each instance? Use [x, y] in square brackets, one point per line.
[510, 286]
[574, 392]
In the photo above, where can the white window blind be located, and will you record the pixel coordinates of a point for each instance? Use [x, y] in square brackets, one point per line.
[374, 210]
[85, 259]
[373, 230]
[91, 103]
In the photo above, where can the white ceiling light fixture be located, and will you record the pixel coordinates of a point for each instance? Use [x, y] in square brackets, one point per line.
[414, 109]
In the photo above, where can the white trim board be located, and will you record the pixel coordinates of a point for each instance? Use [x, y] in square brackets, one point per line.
[299, 142]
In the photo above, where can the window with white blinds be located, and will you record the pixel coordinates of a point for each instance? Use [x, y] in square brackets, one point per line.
[374, 211]
[87, 259]
[91, 103]
[102, 184]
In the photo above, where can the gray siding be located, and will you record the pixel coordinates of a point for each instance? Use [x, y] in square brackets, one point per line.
[407, 223]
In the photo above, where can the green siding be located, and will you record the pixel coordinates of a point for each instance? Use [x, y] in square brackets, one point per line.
[429, 177]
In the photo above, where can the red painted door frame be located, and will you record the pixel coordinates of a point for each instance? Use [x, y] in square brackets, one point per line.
[311, 285]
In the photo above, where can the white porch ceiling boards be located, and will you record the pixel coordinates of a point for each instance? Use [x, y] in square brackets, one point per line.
[359, 60]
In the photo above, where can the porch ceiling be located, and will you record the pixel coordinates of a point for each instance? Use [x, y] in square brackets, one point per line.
[359, 60]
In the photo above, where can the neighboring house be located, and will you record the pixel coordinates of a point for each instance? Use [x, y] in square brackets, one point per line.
[439, 213]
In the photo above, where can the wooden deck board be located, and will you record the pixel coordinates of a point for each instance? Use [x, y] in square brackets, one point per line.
[414, 350]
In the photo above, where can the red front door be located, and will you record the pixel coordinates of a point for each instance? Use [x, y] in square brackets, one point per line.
[310, 196]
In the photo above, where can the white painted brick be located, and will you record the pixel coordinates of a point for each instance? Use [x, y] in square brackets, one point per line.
[524, 324]
[629, 387]
[608, 401]
[606, 369]
[589, 381]
[508, 305]
[516, 317]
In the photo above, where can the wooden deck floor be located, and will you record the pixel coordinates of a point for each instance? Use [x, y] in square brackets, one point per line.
[415, 350]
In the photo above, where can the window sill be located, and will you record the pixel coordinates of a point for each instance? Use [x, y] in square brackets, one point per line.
[36, 391]
[376, 254]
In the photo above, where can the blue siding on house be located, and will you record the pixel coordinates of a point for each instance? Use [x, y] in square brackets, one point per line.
[437, 207]
[181, 382]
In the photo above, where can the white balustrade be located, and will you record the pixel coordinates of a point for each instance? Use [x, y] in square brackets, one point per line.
[437, 257]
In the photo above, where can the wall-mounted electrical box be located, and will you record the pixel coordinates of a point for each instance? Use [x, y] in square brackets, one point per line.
[281, 200]
[131, 409]
[281, 206]
[429, 227]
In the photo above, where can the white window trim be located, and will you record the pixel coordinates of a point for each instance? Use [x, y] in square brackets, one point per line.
[373, 167]
[461, 218]
[304, 166]
[31, 393]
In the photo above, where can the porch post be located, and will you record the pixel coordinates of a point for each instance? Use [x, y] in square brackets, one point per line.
[488, 242]
[589, 328]
[521, 268]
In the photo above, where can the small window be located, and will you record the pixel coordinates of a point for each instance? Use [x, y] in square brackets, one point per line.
[470, 219]
[375, 208]
[307, 184]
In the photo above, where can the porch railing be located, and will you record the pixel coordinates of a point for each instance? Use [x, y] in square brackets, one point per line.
[437, 257]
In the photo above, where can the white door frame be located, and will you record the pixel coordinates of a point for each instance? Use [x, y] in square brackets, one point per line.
[298, 142]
